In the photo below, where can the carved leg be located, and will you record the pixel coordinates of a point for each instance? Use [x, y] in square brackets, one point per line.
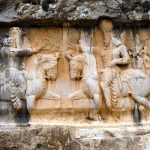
[95, 111]
[106, 93]
[141, 100]
[75, 96]
[30, 102]
[106, 85]
[52, 96]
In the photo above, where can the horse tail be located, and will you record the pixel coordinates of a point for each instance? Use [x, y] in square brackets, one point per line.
[17, 104]
[137, 115]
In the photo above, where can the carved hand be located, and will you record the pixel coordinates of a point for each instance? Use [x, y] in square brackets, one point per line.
[30, 50]
[113, 63]
[11, 52]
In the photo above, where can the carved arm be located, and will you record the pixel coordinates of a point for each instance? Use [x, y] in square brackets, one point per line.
[24, 52]
[28, 51]
[124, 57]
[121, 61]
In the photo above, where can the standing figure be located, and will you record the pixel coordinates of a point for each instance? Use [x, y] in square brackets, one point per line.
[83, 67]
[12, 81]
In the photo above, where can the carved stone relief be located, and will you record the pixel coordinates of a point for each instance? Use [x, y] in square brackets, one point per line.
[121, 87]
[79, 70]
[43, 69]
[98, 71]
[13, 84]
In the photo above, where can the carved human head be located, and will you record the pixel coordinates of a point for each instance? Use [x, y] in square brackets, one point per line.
[14, 37]
[76, 65]
[8, 41]
[106, 27]
[49, 64]
[14, 31]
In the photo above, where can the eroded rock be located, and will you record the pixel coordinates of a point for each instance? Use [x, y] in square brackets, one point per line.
[75, 12]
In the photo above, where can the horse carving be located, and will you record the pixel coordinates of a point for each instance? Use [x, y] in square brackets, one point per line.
[132, 86]
[123, 89]
[80, 69]
[44, 69]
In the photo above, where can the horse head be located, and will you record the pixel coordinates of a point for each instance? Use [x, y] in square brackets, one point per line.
[49, 63]
[76, 65]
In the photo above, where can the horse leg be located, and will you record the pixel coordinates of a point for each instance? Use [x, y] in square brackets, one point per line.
[30, 100]
[107, 94]
[141, 100]
[52, 96]
[95, 110]
[75, 96]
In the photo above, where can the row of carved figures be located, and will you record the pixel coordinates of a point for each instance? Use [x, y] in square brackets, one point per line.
[122, 90]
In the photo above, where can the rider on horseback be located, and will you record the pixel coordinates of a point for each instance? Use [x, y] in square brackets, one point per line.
[120, 57]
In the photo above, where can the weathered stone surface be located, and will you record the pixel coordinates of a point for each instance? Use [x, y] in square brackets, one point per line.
[74, 138]
[64, 75]
[75, 12]
[94, 76]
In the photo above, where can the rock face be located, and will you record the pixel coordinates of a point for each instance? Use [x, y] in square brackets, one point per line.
[80, 67]
[74, 12]
[74, 138]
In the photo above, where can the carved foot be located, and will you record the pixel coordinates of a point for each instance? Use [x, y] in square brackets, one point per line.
[115, 116]
[30, 102]
[94, 116]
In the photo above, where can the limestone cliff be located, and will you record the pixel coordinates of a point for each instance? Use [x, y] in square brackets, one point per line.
[75, 12]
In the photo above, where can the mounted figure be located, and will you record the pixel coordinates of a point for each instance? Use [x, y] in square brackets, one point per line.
[123, 88]
[83, 68]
